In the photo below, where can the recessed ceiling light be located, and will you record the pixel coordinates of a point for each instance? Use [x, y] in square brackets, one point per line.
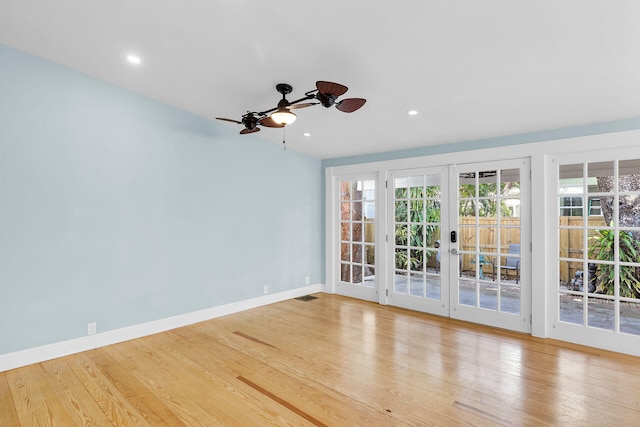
[134, 59]
[412, 112]
[306, 134]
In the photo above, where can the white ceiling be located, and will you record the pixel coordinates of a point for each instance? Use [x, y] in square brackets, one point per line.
[473, 69]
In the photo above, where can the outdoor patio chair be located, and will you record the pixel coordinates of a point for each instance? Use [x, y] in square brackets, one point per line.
[511, 263]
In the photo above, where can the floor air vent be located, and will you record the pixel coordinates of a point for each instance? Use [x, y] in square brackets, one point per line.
[306, 298]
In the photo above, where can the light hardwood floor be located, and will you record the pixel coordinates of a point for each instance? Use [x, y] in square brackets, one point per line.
[332, 361]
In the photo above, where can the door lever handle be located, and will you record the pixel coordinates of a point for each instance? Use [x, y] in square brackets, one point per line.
[454, 251]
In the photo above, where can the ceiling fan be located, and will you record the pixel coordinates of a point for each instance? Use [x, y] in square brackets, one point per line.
[325, 94]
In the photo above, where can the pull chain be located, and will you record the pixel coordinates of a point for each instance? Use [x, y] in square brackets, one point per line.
[284, 136]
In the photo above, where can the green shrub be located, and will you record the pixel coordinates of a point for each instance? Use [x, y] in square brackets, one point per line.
[602, 248]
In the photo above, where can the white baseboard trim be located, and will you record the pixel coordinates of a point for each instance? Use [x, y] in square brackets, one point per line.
[64, 348]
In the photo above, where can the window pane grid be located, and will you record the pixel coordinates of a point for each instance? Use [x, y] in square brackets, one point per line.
[606, 270]
[417, 227]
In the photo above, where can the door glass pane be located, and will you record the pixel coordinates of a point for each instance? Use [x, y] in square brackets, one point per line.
[357, 274]
[400, 283]
[572, 309]
[356, 211]
[345, 252]
[356, 231]
[510, 299]
[467, 291]
[488, 237]
[402, 235]
[345, 211]
[487, 210]
[433, 286]
[467, 209]
[417, 260]
[345, 272]
[369, 276]
[489, 296]
[630, 316]
[467, 185]
[628, 212]
[345, 190]
[356, 251]
[467, 236]
[601, 313]
[417, 284]
[370, 252]
[401, 211]
[345, 233]
[629, 175]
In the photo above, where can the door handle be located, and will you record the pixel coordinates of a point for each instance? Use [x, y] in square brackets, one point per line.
[454, 251]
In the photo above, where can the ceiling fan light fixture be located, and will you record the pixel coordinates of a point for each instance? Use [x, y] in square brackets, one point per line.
[283, 116]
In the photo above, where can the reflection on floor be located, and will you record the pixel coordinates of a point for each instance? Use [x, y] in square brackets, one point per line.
[601, 312]
[486, 292]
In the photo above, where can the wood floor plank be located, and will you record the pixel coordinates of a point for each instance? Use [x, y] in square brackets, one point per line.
[112, 403]
[146, 403]
[36, 403]
[8, 415]
[163, 380]
[75, 399]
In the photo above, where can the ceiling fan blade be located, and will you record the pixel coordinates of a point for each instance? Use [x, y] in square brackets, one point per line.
[328, 88]
[229, 120]
[350, 105]
[268, 122]
[305, 105]
[246, 131]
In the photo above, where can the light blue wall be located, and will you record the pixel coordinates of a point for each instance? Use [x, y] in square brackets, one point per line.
[120, 210]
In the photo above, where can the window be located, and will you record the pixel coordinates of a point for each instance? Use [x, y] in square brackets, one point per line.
[599, 286]
[571, 206]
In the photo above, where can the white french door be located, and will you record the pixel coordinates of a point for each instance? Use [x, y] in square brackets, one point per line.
[458, 242]
[356, 214]
[491, 221]
[418, 263]
[594, 198]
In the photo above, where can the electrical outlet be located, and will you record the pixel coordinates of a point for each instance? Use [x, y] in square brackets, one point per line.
[266, 289]
[306, 280]
[91, 328]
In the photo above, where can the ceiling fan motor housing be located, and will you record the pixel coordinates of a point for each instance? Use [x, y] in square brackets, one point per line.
[284, 88]
[326, 100]
[250, 121]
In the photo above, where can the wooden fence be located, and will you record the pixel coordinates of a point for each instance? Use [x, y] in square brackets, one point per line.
[572, 243]
[571, 240]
